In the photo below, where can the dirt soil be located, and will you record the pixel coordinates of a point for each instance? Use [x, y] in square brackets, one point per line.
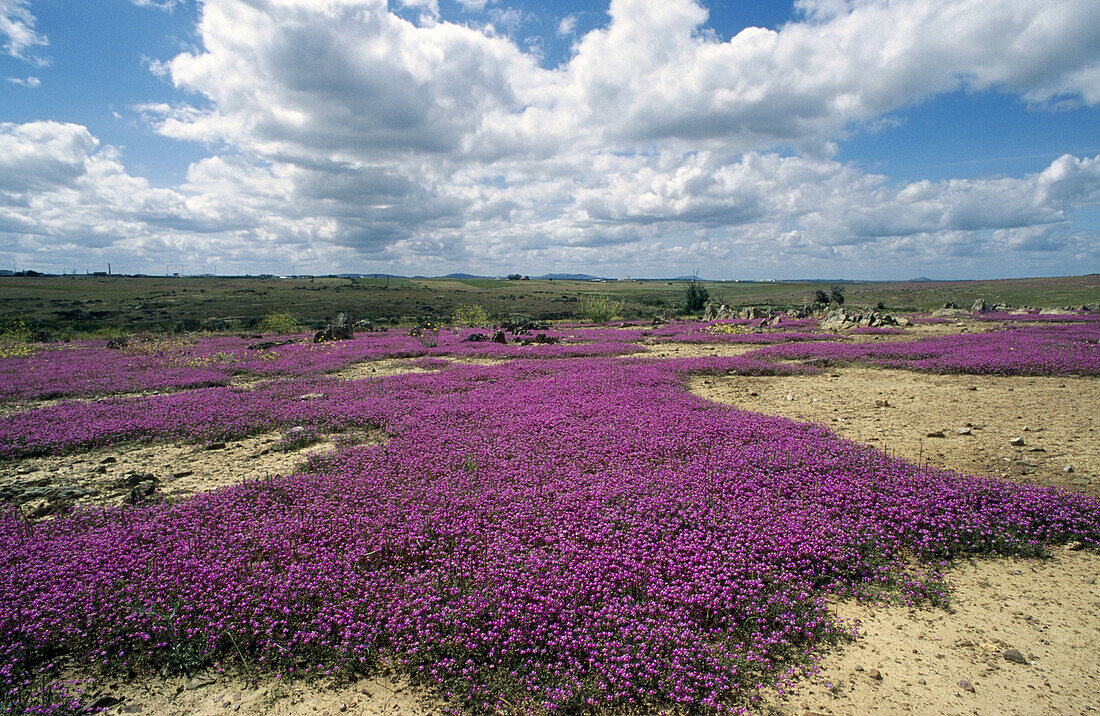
[176, 469]
[963, 422]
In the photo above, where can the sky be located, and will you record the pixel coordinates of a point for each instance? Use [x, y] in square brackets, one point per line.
[735, 139]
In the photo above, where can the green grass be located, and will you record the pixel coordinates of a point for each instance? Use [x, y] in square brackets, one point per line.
[70, 304]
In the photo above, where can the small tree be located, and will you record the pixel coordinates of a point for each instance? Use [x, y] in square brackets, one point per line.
[838, 295]
[821, 298]
[695, 296]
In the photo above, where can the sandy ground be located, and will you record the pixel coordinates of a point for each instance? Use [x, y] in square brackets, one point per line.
[919, 416]
[936, 662]
[179, 470]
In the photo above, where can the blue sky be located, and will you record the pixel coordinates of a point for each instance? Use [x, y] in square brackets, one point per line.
[854, 139]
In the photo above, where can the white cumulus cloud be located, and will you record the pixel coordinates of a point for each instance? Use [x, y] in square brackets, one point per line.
[348, 134]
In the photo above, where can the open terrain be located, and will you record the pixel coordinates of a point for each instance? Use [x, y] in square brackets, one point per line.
[159, 303]
[606, 473]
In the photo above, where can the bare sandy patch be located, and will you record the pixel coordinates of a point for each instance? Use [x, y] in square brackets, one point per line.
[962, 422]
[212, 694]
[932, 661]
[694, 350]
[378, 369]
[108, 475]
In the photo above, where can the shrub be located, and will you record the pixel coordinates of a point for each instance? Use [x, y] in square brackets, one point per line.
[471, 315]
[280, 322]
[600, 309]
[696, 296]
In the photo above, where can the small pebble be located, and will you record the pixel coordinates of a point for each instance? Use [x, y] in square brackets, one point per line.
[965, 685]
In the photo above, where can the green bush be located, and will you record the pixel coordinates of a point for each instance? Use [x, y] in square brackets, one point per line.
[600, 309]
[280, 322]
[471, 315]
[695, 296]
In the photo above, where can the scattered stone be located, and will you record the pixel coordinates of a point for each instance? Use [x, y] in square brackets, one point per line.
[311, 396]
[215, 446]
[874, 674]
[979, 306]
[965, 685]
[1017, 442]
[540, 339]
[1014, 656]
[141, 492]
[108, 460]
[499, 337]
[265, 345]
[117, 344]
[1082, 481]
[882, 403]
[103, 703]
[790, 397]
[475, 338]
[182, 473]
[1074, 546]
[134, 478]
[201, 680]
[1067, 469]
[964, 431]
[936, 434]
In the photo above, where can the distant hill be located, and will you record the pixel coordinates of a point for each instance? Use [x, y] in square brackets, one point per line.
[367, 275]
[571, 277]
[464, 275]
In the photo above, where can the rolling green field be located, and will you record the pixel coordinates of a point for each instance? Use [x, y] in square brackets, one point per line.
[81, 303]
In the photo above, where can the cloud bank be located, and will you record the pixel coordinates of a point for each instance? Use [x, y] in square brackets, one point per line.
[345, 135]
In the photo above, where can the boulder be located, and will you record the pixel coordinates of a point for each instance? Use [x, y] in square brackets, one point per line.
[979, 306]
[339, 330]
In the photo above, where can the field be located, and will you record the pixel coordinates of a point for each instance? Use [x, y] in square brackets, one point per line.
[755, 516]
[83, 303]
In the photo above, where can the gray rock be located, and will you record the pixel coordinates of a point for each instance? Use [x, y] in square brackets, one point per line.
[979, 306]
[1067, 469]
[338, 330]
[311, 396]
[1017, 442]
[964, 431]
[965, 685]
[1014, 656]
[1074, 546]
